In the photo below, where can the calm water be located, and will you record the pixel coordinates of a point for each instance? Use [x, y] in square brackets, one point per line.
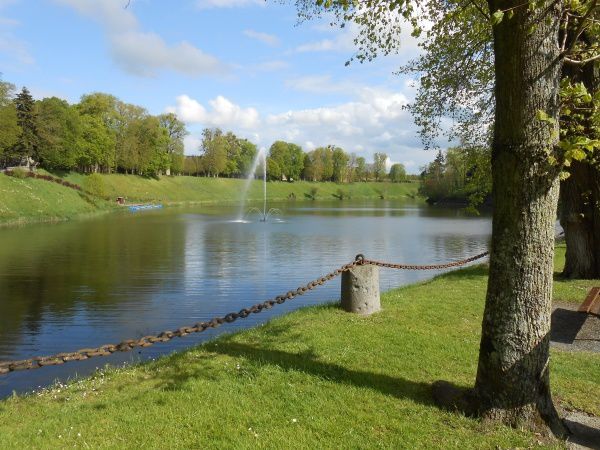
[88, 283]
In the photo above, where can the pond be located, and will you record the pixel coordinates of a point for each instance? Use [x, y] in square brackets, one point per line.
[121, 276]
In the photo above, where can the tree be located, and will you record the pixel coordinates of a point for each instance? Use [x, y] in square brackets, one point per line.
[361, 169]
[246, 156]
[214, 151]
[176, 132]
[9, 126]
[27, 143]
[273, 169]
[512, 383]
[397, 173]
[59, 131]
[289, 158]
[458, 72]
[96, 145]
[379, 169]
[339, 160]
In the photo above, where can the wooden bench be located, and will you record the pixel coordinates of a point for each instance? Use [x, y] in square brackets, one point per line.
[591, 304]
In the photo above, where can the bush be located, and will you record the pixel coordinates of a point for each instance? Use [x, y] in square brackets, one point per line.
[94, 184]
[20, 173]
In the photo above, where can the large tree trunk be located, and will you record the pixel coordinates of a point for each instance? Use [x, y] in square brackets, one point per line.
[512, 382]
[579, 215]
[579, 219]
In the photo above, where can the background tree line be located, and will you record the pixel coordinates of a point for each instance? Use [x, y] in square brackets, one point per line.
[224, 154]
[463, 174]
[102, 134]
[99, 134]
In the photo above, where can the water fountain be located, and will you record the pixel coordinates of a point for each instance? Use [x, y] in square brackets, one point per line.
[261, 156]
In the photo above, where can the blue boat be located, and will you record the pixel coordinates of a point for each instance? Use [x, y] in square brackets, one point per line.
[135, 208]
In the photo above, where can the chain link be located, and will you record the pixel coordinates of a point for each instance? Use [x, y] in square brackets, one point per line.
[147, 341]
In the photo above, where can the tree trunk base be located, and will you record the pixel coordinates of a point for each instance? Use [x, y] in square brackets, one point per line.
[542, 419]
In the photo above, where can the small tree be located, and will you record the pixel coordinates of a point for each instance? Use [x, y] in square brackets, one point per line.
[379, 160]
[397, 173]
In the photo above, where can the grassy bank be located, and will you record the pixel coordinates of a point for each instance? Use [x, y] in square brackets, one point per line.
[227, 190]
[316, 378]
[28, 200]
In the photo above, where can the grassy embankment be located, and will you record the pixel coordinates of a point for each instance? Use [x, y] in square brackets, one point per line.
[28, 200]
[316, 378]
[227, 190]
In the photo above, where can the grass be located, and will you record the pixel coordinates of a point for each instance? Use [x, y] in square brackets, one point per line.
[28, 200]
[316, 378]
[227, 190]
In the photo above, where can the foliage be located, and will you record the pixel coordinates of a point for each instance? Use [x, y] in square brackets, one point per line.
[176, 132]
[273, 169]
[464, 173]
[289, 158]
[379, 165]
[59, 129]
[19, 173]
[27, 142]
[397, 173]
[10, 131]
[94, 184]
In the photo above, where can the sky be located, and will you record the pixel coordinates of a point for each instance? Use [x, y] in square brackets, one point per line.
[245, 66]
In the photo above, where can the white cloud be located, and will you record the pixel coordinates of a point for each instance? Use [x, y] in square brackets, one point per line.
[270, 66]
[143, 53]
[343, 42]
[192, 144]
[209, 4]
[374, 121]
[6, 22]
[222, 113]
[320, 84]
[13, 50]
[269, 39]
[16, 50]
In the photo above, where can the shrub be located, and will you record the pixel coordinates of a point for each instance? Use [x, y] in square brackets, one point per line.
[20, 173]
[94, 184]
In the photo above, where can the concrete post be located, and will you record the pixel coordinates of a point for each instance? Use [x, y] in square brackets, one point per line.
[360, 290]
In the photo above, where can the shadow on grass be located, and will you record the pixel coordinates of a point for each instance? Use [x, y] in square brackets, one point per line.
[305, 362]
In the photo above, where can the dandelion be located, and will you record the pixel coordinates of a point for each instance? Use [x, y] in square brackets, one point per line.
[294, 420]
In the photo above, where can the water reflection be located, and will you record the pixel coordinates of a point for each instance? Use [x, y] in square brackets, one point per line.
[88, 283]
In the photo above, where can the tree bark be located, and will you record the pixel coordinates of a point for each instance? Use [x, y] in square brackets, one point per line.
[579, 200]
[579, 219]
[512, 384]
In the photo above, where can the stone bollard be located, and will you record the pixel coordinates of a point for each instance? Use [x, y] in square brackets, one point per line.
[360, 290]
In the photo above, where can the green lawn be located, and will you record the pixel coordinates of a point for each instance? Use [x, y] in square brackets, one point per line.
[316, 378]
[29, 200]
[227, 190]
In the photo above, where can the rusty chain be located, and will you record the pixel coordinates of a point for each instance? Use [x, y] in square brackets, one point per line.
[147, 341]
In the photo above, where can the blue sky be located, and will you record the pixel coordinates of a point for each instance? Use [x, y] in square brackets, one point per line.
[242, 65]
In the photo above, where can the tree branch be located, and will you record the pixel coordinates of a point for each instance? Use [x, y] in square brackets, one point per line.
[582, 62]
[580, 28]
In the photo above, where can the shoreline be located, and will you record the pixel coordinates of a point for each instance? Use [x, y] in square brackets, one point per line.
[287, 379]
[30, 201]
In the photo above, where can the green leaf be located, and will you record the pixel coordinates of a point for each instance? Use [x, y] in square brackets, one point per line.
[497, 17]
